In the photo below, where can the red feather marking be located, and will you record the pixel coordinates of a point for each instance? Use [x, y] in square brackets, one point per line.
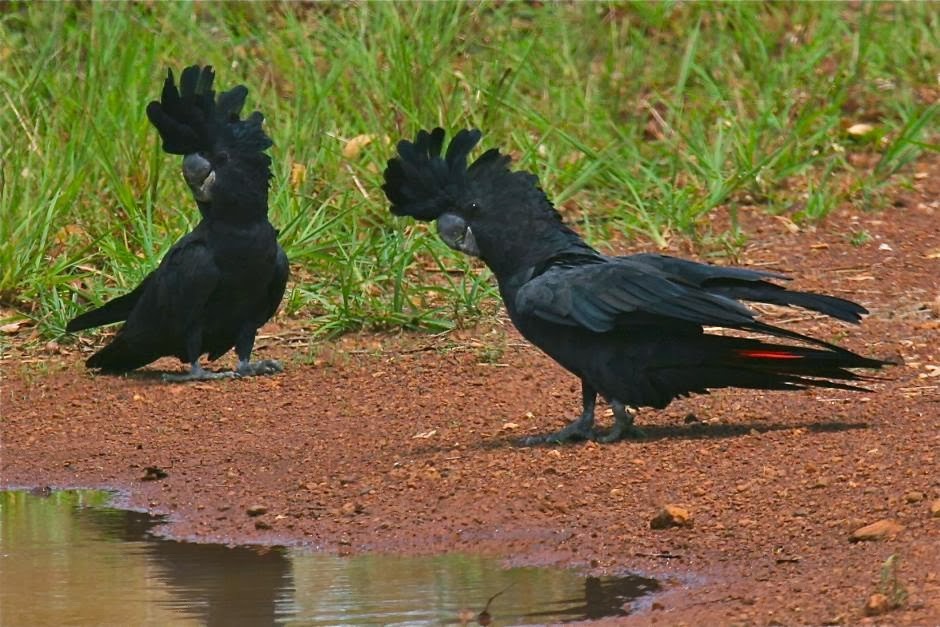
[768, 354]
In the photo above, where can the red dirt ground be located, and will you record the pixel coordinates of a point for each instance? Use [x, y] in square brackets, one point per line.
[407, 444]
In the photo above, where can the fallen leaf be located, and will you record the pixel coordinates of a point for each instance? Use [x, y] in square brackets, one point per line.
[424, 435]
[298, 174]
[860, 129]
[355, 145]
[13, 328]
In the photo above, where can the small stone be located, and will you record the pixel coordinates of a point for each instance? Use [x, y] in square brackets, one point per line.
[876, 605]
[914, 496]
[350, 508]
[935, 508]
[256, 510]
[884, 528]
[154, 473]
[262, 525]
[671, 516]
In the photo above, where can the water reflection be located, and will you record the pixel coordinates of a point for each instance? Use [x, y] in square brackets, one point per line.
[67, 558]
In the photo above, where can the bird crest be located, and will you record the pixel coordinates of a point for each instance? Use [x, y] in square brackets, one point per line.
[422, 183]
[190, 118]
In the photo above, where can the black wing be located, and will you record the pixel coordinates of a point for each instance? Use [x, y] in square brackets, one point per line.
[169, 311]
[750, 285]
[278, 284]
[601, 297]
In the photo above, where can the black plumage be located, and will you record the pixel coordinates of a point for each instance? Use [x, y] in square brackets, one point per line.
[632, 328]
[221, 282]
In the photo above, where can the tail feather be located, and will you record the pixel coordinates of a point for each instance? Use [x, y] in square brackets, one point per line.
[717, 361]
[751, 285]
[115, 310]
[120, 356]
[762, 292]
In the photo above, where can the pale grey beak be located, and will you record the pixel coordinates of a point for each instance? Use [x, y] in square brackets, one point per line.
[199, 176]
[456, 233]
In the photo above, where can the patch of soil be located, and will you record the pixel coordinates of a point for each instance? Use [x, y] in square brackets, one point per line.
[408, 444]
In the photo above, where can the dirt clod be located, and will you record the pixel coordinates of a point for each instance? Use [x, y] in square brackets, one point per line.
[671, 516]
[884, 528]
[935, 508]
[877, 605]
[914, 496]
[154, 473]
[256, 510]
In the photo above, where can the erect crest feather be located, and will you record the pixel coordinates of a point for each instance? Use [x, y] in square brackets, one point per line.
[191, 119]
[421, 183]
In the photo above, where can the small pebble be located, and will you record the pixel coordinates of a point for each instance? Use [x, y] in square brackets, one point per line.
[876, 531]
[256, 510]
[876, 605]
[671, 516]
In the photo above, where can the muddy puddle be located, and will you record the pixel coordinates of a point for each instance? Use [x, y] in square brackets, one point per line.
[66, 557]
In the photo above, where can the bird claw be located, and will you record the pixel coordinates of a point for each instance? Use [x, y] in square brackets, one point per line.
[199, 375]
[257, 368]
[621, 432]
[572, 433]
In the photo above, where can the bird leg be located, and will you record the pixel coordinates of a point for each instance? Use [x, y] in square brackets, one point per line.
[581, 428]
[197, 373]
[254, 368]
[623, 425]
[246, 368]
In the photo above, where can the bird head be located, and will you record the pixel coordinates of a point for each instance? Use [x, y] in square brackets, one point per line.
[224, 162]
[485, 209]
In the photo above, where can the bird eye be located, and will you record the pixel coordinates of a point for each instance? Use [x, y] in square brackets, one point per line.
[474, 207]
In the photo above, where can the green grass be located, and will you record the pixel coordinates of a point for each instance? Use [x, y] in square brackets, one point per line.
[638, 118]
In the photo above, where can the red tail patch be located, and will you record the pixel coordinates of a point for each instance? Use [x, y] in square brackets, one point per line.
[768, 354]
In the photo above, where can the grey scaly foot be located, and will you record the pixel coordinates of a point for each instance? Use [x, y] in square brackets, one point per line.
[574, 432]
[578, 430]
[623, 426]
[257, 368]
[197, 373]
[622, 432]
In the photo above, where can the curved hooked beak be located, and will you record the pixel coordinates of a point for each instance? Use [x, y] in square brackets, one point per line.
[456, 233]
[199, 176]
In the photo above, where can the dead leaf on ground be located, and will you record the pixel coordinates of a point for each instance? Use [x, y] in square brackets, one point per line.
[298, 174]
[354, 146]
[860, 129]
[14, 327]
